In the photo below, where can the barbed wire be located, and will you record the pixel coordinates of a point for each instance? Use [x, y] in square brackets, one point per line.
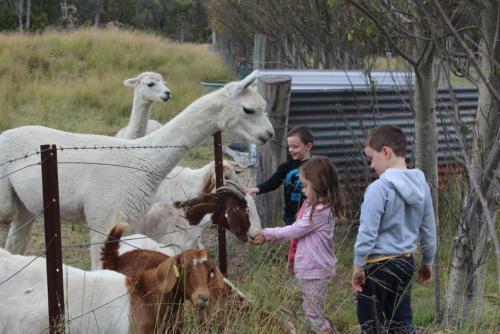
[22, 157]
[97, 147]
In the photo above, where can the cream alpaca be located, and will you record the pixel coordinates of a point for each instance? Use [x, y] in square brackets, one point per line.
[149, 88]
[95, 183]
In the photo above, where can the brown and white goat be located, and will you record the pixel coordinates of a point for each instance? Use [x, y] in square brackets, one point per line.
[192, 268]
[227, 303]
[103, 300]
[181, 223]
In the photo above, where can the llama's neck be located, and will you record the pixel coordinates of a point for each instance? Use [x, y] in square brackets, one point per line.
[139, 118]
[189, 128]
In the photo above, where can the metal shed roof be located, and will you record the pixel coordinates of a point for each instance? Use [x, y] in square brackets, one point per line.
[307, 80]
[341, 106]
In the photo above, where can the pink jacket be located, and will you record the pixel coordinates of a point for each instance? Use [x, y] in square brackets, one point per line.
[314, 258]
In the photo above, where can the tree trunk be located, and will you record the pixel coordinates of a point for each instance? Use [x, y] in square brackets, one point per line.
[28, 14]
[426, 138]
[276, 90]
[468, 272]
[99, 8]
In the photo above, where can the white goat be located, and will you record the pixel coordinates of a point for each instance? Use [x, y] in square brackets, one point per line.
[95, 183]
[149, 88]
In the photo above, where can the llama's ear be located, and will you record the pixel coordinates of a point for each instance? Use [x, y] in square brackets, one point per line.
[243, 84]
[131, 82]
[167, 274]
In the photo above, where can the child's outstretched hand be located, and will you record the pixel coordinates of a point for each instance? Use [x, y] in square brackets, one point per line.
[425, 274]
[259, 239]
[358, 278]
[252, 191]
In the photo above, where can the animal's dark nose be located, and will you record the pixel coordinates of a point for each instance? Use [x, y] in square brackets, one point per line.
[204, 299]
[166, 96]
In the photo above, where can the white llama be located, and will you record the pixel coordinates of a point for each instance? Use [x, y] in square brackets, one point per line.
[149, 88]
[93, 183]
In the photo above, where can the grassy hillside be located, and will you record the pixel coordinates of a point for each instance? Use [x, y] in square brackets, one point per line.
[74, 81]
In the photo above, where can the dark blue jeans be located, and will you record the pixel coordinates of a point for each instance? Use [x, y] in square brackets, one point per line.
[384, 305]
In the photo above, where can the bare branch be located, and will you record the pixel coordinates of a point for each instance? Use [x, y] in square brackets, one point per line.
[469, 53]
[383, 30]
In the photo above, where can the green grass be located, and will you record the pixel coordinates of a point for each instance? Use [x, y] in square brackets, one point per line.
[74, 81]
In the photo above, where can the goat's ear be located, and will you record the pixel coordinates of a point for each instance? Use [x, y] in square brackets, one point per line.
[217, 280]
[131, 82]
[167, 274]
[180, 205]
[243, 84]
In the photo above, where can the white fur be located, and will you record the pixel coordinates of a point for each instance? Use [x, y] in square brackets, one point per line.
[91, 191]
[149, 88]
[24, 308]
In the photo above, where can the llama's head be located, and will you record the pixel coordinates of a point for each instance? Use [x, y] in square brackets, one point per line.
[149, 86]
[244, 115]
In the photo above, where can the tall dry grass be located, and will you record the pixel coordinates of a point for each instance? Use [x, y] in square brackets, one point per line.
[73, 80]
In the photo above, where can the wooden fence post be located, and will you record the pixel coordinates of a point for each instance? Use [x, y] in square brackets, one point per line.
[219, 182]
[276, 90]
[52, 224]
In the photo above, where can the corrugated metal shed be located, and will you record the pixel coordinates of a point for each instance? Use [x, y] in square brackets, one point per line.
[318, 80]
[341, 106]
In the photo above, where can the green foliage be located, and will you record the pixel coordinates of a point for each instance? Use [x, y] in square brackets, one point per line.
[8, 19]
[73, 81]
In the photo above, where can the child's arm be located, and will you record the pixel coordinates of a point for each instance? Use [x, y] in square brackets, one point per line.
[298, 229]
[272, 183]
[427, 233]
[427, 236]
[372, 210]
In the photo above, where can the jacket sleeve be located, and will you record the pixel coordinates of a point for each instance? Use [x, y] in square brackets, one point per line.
[274, 181]
[297, 230]
[427, 234]
[372, 210]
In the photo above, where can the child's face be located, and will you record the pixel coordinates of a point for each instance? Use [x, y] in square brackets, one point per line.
[379, 161]
[298, 150]
[307, 189]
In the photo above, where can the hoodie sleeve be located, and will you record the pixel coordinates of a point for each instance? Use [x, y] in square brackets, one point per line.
[298, 229]
[427, 234]
[372, 210]
[275, 180]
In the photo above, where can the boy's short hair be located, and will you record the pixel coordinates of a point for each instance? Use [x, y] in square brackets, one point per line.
[387, 135]
[303, 132]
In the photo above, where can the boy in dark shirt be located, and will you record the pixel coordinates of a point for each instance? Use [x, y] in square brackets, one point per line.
[300, 142]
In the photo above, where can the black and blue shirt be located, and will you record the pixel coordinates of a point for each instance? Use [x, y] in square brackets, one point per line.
[288, 174]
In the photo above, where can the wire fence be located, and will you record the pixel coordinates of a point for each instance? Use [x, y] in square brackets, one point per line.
[251, 262]
[25, 161]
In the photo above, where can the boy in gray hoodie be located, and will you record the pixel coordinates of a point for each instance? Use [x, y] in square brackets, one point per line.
[396, 211]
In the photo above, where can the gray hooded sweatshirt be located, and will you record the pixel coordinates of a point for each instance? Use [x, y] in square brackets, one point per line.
[396, 211]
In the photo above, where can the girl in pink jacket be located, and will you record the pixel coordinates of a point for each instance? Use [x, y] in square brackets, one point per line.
[314, 260]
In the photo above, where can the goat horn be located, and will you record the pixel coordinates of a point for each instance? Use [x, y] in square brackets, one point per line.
[234, 187]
